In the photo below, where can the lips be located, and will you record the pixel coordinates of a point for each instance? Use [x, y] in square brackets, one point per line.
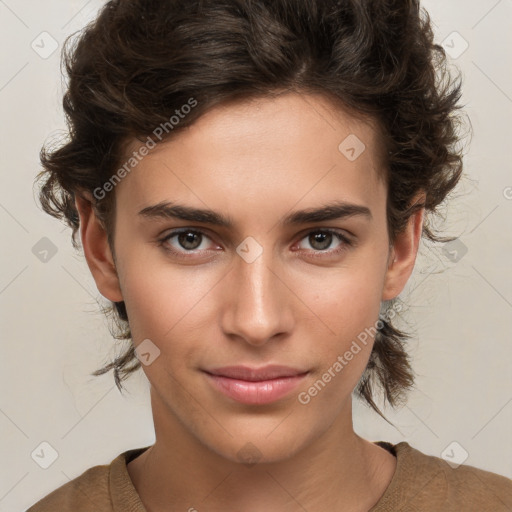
[255, 386]
[256, 374]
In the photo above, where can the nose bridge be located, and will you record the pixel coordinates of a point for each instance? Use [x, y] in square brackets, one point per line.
[259, 307]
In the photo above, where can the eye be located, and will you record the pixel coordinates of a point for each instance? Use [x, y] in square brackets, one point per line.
[187, 240]
[191, 241]
[321, 240]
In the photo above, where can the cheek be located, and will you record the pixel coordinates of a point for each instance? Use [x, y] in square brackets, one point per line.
[157, 306]
[150, 306]
[347, 300]
[158, 295]
[346, 311]
[169, 306]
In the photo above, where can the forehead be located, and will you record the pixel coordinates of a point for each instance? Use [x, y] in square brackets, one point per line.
[293, 148]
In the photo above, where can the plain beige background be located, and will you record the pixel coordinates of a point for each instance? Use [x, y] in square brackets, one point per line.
[53, 337]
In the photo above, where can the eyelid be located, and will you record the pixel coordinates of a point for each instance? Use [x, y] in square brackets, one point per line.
[177, 231]
[338, 231]
[346, 239]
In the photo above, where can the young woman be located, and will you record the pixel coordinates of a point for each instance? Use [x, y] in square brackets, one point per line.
[250, 180]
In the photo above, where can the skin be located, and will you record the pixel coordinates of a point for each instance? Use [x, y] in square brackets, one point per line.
[255, 161]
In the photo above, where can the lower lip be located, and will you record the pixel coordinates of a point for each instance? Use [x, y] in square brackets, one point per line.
[255, 393]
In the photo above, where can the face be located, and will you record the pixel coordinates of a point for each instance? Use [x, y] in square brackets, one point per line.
[263, 290]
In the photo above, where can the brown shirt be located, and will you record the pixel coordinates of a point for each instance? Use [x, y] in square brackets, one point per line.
[420, 483]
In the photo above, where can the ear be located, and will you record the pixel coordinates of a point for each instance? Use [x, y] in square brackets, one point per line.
[97, 250]
[402, 256]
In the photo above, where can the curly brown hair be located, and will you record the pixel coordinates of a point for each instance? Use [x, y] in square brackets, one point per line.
[139, 60]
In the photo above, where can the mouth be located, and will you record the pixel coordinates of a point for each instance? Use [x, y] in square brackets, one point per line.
[255, 386]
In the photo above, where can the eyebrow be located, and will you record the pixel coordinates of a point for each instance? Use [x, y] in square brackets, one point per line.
[331, 211]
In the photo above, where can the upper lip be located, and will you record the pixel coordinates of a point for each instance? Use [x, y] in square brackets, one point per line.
[256, 374]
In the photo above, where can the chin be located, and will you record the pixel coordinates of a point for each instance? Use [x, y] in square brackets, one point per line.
[264, 446]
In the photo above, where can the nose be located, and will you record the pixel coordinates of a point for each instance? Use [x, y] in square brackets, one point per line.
[257, 301]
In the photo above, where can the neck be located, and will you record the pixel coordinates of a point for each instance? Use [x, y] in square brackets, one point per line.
[337, 467]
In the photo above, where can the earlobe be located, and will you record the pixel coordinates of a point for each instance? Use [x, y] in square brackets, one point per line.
[403, 256]
[97, 250]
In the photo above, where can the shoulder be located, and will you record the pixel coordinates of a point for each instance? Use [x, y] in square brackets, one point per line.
[428, 481]
[89, 491]
[102, 488]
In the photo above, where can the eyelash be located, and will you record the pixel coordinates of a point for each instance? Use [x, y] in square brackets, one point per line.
[346, 242]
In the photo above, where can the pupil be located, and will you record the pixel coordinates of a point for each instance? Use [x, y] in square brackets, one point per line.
[188, 238]
[319, 237]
